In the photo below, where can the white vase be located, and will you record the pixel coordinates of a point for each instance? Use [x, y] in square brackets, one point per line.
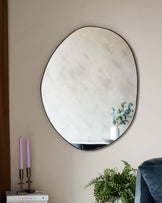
[117, 201]
[114, 132]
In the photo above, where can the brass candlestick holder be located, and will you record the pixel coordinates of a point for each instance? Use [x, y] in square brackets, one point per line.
[28, 172]
[21, 177]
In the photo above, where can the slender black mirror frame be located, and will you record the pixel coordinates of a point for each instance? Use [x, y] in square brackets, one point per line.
[89, 87]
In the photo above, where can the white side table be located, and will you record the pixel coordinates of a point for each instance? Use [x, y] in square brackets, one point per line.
[36, 197]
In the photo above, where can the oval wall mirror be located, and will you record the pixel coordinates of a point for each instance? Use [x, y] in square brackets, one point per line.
[89, 88]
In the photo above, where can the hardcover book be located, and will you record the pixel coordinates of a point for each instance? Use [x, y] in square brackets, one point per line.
[12, 196]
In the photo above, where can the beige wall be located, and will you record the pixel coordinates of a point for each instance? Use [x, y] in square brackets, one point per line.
[36, 27]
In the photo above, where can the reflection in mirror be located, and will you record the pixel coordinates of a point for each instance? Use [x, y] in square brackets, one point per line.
[89, 88]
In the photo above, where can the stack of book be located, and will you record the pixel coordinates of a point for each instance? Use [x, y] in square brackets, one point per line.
[38, 196]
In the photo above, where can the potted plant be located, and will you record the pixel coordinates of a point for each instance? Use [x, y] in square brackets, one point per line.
[113, 186]
[120, 117]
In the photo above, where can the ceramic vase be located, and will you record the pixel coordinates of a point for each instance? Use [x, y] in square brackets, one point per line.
[114, 132]
[117, 201]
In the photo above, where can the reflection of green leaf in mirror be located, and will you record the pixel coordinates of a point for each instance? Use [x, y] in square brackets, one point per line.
[113, 185]
[120, 117]
[122, 105]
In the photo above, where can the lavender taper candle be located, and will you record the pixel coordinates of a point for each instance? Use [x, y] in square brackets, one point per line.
[20, 153]
[27, 153]
[28, 170]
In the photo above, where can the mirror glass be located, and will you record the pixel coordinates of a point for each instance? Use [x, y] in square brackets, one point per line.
[89, 87]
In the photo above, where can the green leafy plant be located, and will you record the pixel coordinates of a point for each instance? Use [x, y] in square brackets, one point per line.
[113, 185]
[120, 116]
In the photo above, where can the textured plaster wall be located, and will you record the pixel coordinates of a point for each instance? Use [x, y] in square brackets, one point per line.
[35, 29]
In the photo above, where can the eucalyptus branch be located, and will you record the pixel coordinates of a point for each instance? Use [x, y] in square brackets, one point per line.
[122, 115]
